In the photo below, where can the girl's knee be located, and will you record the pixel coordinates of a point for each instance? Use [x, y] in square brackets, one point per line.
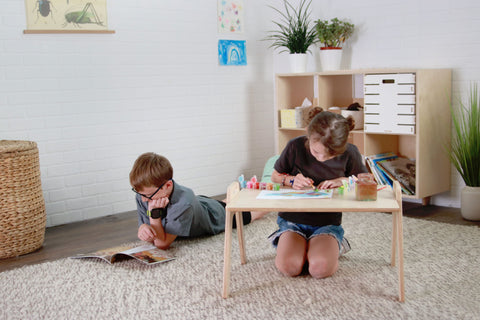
[289, 267]
[320, 268]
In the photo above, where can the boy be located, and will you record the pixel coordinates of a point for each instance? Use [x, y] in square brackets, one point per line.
[167, 210]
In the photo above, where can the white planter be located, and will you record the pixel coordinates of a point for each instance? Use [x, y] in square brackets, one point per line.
[470, 203]
[298, 62]
[330, 58]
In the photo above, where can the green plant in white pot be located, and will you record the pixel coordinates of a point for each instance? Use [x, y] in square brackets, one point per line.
[331, 36]
[295, 33]
[465, 152]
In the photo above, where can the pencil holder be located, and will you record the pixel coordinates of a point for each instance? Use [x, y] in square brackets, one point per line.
[366, 187]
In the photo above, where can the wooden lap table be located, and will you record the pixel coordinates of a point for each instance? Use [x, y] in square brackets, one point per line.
[388, 200]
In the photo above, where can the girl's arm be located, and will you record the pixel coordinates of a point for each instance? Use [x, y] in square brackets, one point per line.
[299, 181]
[283, 179]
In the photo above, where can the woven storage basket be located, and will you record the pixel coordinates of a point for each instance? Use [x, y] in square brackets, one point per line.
[22, 208]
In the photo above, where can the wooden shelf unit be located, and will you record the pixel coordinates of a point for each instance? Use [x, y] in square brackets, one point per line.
[432, 119]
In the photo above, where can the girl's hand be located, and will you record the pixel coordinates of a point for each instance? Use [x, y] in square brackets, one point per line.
[329, 184]
[302, 182]
[146, 233]
[158, 203]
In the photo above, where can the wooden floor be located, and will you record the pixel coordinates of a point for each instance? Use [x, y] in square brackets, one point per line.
[87, 236]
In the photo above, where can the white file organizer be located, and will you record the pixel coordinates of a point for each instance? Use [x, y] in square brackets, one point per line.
[389, 103]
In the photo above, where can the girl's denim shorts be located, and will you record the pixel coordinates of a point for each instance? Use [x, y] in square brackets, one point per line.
[306, 231]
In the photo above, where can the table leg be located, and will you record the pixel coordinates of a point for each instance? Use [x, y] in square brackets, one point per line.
[227, 253]
[397, 240]
[401, 281]
[241, 241]
[394, 240]
[398, 232]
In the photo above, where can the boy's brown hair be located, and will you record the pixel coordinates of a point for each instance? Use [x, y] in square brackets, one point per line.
[150, 170]
[331, 130]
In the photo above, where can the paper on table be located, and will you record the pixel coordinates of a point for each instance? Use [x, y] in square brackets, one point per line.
[296, 194]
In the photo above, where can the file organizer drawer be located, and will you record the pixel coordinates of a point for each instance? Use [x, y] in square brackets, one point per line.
[399, 129]
[399, 109]
[390, 103]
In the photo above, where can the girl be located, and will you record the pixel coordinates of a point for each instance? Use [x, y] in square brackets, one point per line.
[322, 158]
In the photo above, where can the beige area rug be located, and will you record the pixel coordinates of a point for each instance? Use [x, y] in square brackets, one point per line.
[441, 273]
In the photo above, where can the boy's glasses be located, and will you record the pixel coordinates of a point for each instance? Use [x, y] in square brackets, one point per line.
[153, 194]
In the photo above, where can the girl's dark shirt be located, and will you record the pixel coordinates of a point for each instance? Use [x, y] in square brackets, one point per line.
[296, 158]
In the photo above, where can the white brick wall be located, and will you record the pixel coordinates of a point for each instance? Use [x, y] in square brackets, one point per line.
[93, 103]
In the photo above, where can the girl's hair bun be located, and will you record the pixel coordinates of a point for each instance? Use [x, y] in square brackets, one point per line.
[313, 112]
[350, 122]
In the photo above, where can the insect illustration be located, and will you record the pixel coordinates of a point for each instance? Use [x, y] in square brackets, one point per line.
[44, 8]
[87, 15]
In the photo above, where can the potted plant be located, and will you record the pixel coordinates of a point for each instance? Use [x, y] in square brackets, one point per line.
[332, 35]
[295, 33]
[465, 152]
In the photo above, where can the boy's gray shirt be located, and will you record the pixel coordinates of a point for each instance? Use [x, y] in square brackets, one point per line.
[188, 215]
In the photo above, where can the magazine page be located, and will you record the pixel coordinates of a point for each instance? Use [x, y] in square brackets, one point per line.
[104, 254]
[148, 254]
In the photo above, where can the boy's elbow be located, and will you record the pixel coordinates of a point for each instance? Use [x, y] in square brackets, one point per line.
[161, 244]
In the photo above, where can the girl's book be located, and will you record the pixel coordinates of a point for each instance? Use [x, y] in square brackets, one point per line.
[148, 254]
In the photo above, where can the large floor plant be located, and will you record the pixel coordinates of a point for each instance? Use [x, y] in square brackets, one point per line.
[465, 148]
[465, 151]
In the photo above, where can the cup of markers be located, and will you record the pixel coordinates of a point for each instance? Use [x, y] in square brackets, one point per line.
[366, 187]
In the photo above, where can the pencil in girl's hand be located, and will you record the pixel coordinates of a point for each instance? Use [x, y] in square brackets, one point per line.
[311, 183]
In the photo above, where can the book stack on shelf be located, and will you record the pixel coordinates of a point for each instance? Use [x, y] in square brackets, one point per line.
[387, 167]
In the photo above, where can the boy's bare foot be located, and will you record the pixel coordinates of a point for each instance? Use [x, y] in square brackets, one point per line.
[258, 214]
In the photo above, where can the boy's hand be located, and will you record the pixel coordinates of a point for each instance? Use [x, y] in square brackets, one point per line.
[146, 233]
[158, 203]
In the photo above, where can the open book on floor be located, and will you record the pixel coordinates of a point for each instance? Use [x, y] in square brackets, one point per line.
[148, 254]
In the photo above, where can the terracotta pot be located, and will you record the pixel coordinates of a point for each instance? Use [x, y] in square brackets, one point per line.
[470, 203]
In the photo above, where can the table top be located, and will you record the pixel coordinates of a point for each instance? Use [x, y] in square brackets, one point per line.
[246, 200]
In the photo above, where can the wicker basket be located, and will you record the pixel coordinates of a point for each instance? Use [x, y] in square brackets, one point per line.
[22, 208]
